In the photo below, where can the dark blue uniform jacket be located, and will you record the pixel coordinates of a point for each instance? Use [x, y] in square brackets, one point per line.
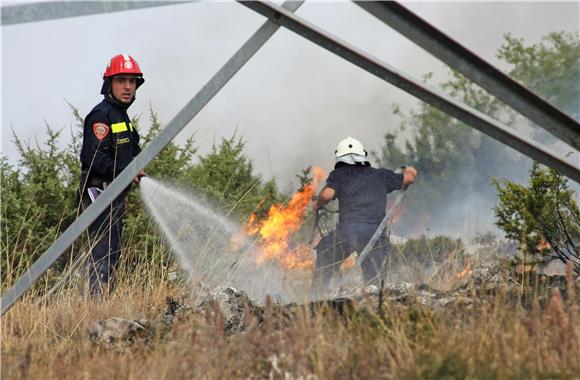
[110, 141]
[362, 192]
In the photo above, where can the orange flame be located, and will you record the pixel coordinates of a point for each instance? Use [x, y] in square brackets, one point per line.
[467, 271]
[279, 226]
[397, 213]
[348, 263]
[543, 245]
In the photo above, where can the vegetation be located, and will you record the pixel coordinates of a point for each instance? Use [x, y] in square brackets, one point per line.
[495, 338]
[424, 251]
[38, 201]
[545, 211]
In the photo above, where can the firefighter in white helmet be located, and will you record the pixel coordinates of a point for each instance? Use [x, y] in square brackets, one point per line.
[361, 191]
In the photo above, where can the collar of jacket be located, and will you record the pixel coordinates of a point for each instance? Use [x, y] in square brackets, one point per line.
[340, 164]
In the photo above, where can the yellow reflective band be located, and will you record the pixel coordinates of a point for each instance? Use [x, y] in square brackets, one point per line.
[119, 127]
[131, 126]
[122, 141]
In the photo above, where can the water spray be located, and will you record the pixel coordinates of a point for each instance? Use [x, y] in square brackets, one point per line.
[201, 238]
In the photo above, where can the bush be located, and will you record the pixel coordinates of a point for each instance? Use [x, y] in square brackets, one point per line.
[225, 176]
[545, 211]
[38, 200]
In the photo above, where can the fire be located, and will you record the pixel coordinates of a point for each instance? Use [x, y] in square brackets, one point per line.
[397, 213]
[282, 221]
[348, 263]
[467, 271]
[543, 245]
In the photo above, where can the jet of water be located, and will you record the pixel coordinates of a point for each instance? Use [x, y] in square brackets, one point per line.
[203, 241]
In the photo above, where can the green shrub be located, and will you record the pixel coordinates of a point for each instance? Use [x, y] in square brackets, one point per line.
[225, 176]
[545, 210]
[38, 200]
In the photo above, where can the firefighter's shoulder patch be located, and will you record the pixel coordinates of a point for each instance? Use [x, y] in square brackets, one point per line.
[101, 130]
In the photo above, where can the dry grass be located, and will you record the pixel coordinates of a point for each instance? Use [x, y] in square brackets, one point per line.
[497, 338]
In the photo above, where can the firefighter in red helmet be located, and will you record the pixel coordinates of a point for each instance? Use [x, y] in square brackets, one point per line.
[110, 142]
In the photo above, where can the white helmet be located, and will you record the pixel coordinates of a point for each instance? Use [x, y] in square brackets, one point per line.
[350, 146]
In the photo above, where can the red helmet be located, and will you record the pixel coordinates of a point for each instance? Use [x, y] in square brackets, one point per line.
[122, 64]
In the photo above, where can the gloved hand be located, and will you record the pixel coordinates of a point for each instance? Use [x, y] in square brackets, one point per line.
[137, 179]
[409, 174]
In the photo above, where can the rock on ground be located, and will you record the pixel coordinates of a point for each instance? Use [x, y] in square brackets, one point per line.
[231, 303]
[117, 332]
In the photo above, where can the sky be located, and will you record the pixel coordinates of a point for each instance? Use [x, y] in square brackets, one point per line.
[292, 102]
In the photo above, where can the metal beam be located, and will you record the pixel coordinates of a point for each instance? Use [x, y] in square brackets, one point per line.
[460, 111]
[476, 69]
[50, 10]
[192, 108]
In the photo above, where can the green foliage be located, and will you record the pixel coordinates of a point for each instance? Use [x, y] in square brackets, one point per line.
[174, 161]
[544, 210]
[550, 68]
[453, 159]
[38, 199]
[305, 176]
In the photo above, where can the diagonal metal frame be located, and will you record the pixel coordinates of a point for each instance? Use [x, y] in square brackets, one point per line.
[445, 103]
[191, 109]
[476, 69]
[33, 12]
[278, 16]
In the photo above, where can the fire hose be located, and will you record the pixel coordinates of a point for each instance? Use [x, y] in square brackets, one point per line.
[321, 219]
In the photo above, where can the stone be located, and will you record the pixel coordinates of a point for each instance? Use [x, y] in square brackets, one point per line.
[117, 332]
[400, 287]
[371, 289]
[231, 303]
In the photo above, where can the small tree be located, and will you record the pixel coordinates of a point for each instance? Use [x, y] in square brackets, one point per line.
[543, 211]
